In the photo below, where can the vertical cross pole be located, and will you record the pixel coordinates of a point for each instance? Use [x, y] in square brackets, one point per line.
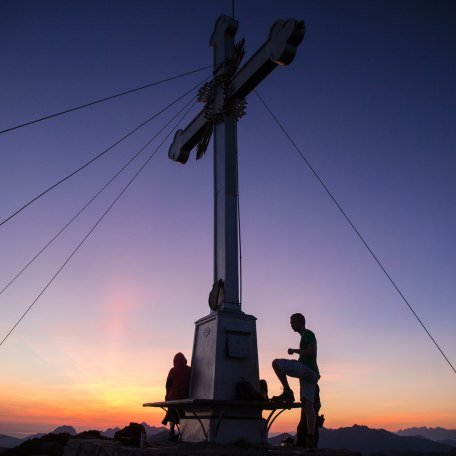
[226, 248]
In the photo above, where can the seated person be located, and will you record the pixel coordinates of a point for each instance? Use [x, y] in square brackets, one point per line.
[177, 387]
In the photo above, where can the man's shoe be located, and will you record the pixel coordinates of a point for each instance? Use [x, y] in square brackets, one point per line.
[286, 396]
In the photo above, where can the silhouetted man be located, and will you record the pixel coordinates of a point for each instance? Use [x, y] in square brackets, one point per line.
[306, 369]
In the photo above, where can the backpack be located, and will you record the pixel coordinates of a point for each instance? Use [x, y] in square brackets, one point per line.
[133, 435]
[246, 392]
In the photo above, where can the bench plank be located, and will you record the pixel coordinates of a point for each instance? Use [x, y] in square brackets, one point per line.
[201, 403]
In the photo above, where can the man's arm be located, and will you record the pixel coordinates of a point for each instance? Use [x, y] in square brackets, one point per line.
[310, 350]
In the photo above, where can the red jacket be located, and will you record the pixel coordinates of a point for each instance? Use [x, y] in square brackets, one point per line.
[178, 381]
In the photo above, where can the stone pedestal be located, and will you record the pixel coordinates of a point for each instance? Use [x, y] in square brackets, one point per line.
[224, 352]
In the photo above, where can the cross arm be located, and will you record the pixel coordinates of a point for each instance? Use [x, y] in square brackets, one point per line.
[185, 140]
[280, 49]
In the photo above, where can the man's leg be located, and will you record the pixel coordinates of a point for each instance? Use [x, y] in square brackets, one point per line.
[280, 375]
[281, 368]
[317, 407]
[317, 434]
[310, 414]
[311, 421]
[301, 431]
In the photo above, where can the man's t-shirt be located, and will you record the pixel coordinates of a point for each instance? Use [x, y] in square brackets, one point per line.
[308, 337]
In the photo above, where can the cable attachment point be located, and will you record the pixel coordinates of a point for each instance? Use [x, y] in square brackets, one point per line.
[216, 93]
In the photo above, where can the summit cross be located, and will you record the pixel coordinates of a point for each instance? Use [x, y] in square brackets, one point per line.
[224, 105]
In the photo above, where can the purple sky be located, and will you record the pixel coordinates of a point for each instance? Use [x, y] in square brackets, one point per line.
[369, 99]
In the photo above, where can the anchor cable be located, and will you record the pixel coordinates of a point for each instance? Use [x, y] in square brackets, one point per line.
[100, 154]
[101, 100]
[100, 219]
[76, 215]
[354, 228]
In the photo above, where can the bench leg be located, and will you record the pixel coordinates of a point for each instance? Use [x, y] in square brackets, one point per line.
[201, 423]
[219, 422]
[270, 422]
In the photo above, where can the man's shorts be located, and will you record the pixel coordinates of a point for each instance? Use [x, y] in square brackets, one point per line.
[308, 378]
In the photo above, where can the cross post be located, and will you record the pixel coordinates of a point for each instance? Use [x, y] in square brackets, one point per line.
[279, 49]
[226, 257]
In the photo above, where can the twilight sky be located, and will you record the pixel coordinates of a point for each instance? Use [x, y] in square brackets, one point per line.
[369, 99]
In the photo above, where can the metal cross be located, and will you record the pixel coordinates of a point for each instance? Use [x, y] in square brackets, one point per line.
[220, 115]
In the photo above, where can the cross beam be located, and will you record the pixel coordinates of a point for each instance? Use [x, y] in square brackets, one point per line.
[279, 49]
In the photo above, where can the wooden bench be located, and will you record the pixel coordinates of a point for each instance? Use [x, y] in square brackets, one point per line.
[195, 406]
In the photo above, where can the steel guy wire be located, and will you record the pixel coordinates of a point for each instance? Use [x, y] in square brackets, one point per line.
[99, 155]
[101, 100]
[354, 229]
[98, 221]
[76, 215]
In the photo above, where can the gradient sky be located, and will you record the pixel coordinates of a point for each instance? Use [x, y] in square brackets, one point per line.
[369, 99]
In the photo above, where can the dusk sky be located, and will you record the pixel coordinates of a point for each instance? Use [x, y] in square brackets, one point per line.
[370, 100]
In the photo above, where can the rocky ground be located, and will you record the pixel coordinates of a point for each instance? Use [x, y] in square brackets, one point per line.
[104, 448]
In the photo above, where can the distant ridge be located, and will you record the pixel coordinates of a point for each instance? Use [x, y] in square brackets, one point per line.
[449, 442]
[110, 432]
[277, 439]
[436, 434]
[367, 440]
[150, 430]
[58, 430]
[61, 429]
[356, 438]
[7, 441]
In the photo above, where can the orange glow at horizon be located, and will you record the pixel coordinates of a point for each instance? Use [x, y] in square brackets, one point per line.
[109, 404]
[118, 410]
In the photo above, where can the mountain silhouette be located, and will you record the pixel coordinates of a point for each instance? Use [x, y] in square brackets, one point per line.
[356, 438]
[9, 442]
[150, 430]
[367, 440]
[436, 434]
[449, 442]
[62, 429]
[110, 432]
[277, 440]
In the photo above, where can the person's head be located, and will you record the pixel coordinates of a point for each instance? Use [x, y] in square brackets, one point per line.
[298, 322]
[179, 360]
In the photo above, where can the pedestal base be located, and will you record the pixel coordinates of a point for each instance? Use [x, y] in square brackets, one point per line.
[224, 352]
